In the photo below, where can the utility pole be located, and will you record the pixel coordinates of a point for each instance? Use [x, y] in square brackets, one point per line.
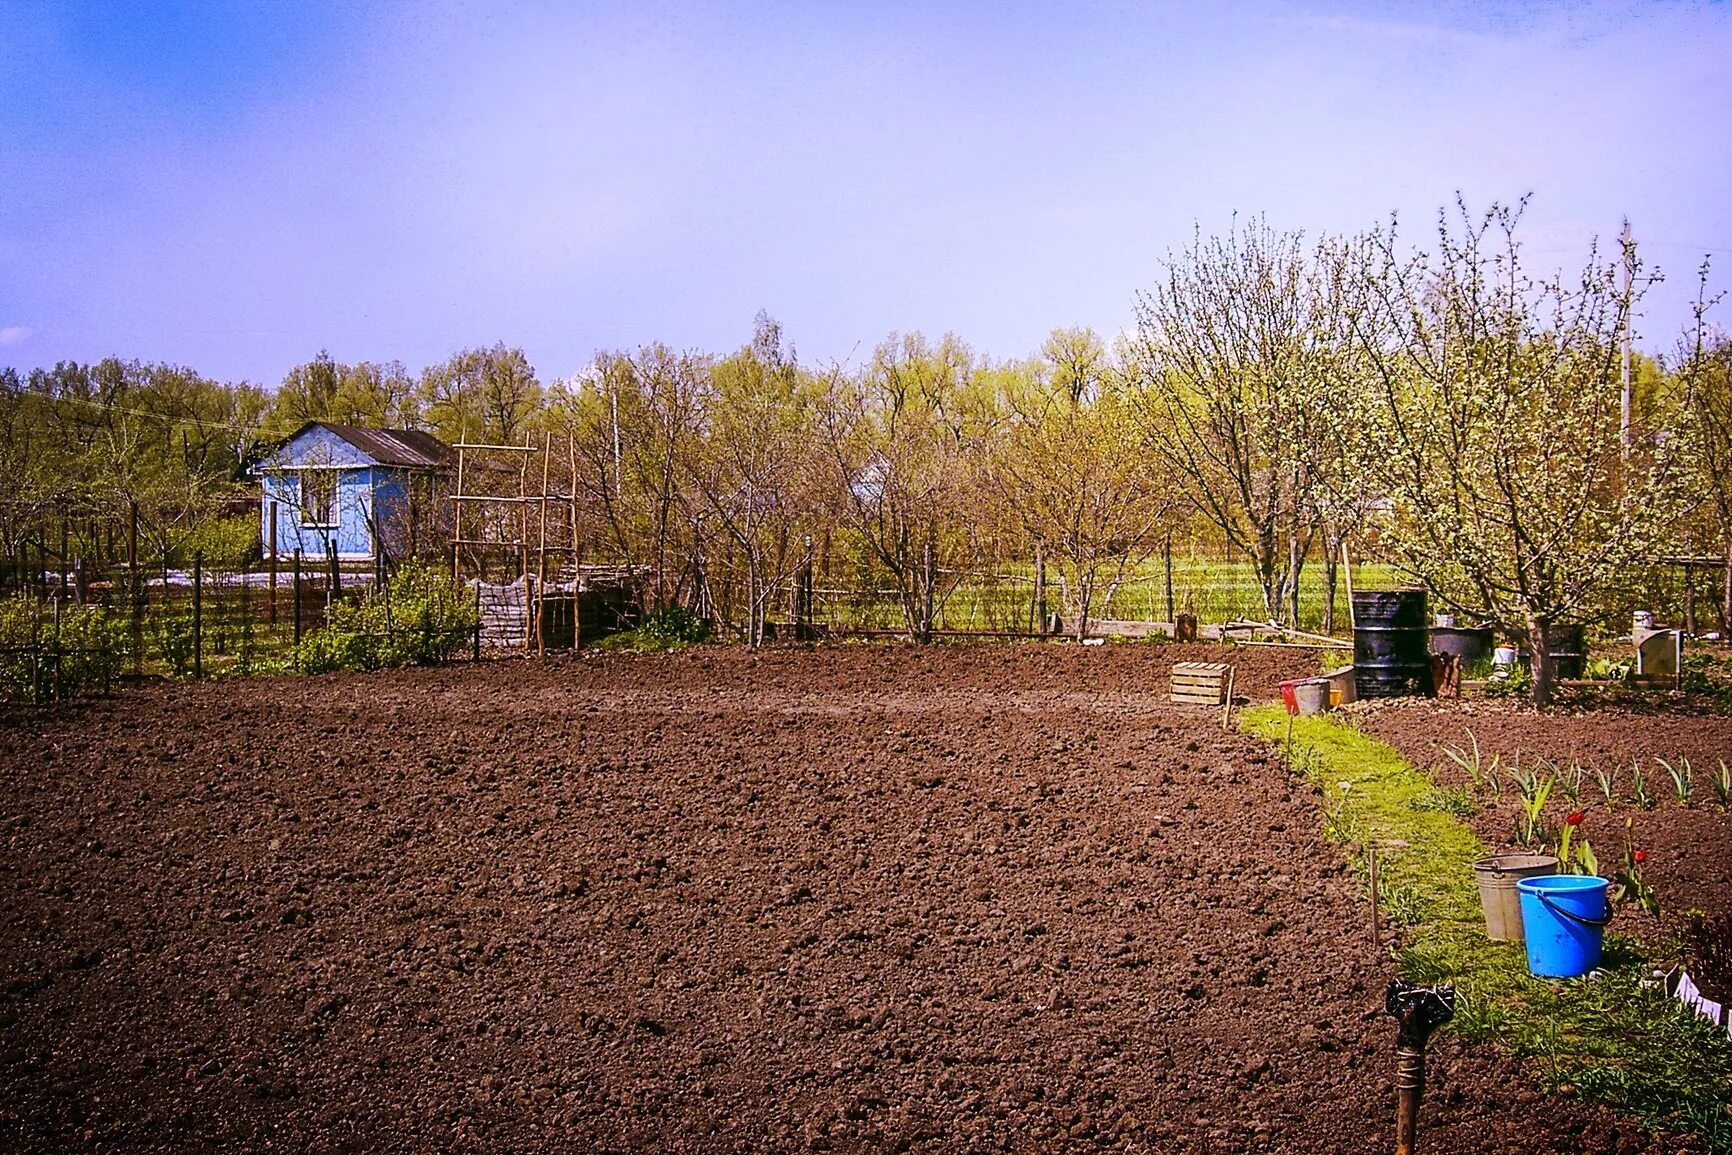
[1629, 275]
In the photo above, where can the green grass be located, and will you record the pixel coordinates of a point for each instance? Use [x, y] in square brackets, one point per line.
[1615, 1037]
[1218, 591]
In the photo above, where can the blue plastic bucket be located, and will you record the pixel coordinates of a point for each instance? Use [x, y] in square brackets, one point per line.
[1564, 917]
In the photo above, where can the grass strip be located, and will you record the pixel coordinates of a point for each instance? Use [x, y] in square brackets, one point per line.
[1615, 1037]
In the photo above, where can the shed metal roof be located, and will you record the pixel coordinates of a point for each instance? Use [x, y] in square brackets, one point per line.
[406, 447]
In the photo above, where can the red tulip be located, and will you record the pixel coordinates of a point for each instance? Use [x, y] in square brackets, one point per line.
[1575, 819]
[1640, 856]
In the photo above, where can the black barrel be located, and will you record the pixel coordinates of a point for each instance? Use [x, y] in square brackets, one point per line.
[1391, 646]
[1470, 645]
[1568, 648]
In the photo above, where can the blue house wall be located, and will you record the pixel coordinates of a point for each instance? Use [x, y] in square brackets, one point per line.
[366, 495]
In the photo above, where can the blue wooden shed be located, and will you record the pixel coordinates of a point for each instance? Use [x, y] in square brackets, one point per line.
[360, 488]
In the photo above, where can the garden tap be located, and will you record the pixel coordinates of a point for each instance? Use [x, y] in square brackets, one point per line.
[1418, 1011]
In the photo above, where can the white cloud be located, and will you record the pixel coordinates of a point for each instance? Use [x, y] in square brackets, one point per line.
[13, 334]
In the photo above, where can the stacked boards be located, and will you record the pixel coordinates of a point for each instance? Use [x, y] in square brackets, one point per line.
[1201, 683]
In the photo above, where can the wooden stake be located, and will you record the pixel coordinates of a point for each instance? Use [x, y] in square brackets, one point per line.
[457, 524]
[1227, 708]
[1376, 924]
[541, 552]
[1347, 577]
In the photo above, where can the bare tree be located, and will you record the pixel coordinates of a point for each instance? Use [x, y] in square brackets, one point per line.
[754, 468]
[1234, 357]
[899, 441]
[1071, 469]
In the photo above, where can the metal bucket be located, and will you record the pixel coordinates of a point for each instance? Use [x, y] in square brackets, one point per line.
[1498, 897]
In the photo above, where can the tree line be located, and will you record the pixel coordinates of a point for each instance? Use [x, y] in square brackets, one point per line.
[1442, 403]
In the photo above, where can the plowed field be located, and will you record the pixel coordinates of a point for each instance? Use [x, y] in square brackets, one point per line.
[974, 898]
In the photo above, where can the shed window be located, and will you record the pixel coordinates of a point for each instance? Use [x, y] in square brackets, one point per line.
[318, 497]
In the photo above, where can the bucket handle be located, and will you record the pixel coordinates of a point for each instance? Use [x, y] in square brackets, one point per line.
[1596, 923]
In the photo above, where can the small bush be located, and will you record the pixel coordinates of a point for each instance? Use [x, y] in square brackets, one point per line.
[1514, 683]
[421, 618]
[674, 626]
[90, 644]
[1708, 951]
[174, 640]
[668, 628]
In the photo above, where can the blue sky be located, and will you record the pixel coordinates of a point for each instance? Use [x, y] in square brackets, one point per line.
[235, 186]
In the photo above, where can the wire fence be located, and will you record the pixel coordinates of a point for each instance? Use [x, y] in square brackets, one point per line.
[75, 631]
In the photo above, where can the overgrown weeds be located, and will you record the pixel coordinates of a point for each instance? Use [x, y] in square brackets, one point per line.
[421, 617]
[666, 629]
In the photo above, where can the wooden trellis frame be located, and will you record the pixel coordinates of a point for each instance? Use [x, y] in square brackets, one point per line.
[532, 535]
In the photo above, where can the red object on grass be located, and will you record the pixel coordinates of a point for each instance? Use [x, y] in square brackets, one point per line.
[1287, 698]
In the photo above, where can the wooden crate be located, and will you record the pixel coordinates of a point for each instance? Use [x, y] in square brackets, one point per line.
[1202, 683]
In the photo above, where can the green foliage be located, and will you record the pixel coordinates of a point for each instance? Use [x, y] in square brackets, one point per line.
[420, 618]
[89, 646]
[1639, 788]
[1614, 1037]
[1683, 778]
[1508, 682]
[225, 541]
[1610, 669]
[1534, 788]
[173, 635]
[1456, 801]
[665, 629]
[1707, 942]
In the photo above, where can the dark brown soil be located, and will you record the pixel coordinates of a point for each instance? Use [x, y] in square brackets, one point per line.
[858, 898]
[1689, 846]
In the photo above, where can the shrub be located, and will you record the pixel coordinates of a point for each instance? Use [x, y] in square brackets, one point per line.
[90, 643]
[420, 618]
[668, 628]
[1515, 683]
[174, 641]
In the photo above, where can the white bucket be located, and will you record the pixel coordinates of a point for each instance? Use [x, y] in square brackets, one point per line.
[1503, 656]
[1644, 620]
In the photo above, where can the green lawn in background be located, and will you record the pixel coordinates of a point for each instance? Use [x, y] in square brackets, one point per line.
[1217, 590]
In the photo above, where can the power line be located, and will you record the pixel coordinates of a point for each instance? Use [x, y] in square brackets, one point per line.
[62, 399]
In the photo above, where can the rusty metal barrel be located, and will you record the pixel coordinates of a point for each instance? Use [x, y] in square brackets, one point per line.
[1391, 643]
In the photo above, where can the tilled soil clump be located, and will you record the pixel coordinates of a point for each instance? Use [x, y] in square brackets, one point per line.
[977, 898]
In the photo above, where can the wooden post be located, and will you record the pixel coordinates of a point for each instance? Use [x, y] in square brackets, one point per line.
[1039, 590]
[1167, 557]
[55, 693]
[541, 551]
[198, 614]
[273, 569]
[333, 578]
[523, 546]
[297, 585]
[1347, 579]
[1689, 601]
[1376, 922]
[929, 575]
[1726, 593]
[1227, 706]
[457, 521]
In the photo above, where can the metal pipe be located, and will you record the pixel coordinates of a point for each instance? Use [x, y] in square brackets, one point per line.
[1418, 1011]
